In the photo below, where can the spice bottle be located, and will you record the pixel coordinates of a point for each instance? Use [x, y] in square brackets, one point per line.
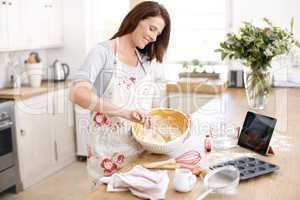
[207, 144]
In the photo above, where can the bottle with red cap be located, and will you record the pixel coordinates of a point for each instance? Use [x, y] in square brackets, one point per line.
[207, 144]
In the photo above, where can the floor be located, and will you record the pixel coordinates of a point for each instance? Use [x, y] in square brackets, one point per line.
[69, 184]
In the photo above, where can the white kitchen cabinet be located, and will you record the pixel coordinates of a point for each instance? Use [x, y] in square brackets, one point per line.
[63, 127]
[55, 19]
[82, 120]
[45, 135]
[30, 24]
[43, 23]
[11, 25]
[3, 26]
[34, 139]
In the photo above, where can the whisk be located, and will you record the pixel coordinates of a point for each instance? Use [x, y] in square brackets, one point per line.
[186, 160]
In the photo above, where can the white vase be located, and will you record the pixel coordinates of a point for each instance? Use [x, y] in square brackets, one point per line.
[35, 73]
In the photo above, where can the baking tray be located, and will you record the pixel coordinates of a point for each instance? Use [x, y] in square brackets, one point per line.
[249, 167]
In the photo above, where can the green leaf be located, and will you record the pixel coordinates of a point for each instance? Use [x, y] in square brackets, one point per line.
[297, 42]
[195, 62]
[223, 45]
[223, 55]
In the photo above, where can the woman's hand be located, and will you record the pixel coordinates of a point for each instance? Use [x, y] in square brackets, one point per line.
[139, 117]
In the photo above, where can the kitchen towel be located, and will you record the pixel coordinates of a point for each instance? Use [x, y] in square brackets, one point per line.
[140, 181]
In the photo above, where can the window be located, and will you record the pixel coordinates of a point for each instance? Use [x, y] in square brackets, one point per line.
[197, 29]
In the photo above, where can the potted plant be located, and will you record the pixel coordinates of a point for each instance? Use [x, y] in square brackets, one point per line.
[192, 69]
[255, 47]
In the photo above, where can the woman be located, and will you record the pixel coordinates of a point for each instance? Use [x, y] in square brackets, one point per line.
[114, 83]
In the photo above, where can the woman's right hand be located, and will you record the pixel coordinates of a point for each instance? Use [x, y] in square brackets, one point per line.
[139, 117]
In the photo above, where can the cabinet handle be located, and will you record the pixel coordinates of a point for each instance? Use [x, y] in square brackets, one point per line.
[3, 2]
[9, 3]
[22, 132]
[55, 151]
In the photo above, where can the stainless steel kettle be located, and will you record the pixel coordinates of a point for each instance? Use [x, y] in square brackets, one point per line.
[60, 71]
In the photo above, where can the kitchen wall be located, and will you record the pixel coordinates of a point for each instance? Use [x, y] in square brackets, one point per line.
[279, 11]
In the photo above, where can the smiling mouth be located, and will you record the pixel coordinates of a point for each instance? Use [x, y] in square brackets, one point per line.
[146, 40]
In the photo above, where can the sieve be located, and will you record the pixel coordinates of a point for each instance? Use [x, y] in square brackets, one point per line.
[221, 180]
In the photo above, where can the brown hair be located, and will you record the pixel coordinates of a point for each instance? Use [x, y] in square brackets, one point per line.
[157, 49]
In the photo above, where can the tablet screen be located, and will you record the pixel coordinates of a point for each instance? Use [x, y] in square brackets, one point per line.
[257, 132]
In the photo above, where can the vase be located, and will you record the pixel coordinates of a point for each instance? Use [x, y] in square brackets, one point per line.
[258, 84]
[35, 73]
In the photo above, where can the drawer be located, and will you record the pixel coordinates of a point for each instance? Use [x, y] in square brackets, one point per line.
[7, 178]
[6, 161]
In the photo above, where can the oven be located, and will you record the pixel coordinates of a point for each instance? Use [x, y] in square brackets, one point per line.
[6, 145]
[9, 172]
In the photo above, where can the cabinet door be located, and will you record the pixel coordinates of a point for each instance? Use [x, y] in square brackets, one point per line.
[35, 23]
[55, 36]
[3, 25]
[43, 24]
[34, 139]
[64, 126]
[15, 25]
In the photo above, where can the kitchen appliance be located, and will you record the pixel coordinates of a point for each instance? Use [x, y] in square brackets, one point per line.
[236, 78]
[60, 71]
[9, 169]
[82, 118]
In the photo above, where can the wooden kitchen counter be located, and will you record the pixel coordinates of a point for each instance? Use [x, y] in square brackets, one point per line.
[26, 92]
[284, 104]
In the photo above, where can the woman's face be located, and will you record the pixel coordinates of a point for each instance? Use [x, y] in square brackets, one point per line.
[147, 31]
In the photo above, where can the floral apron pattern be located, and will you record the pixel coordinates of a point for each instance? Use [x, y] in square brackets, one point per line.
[110, 143]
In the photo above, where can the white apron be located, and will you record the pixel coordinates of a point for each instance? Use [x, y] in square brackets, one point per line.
[110, 142]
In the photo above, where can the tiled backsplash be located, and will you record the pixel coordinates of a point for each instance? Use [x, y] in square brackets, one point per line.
[3, 71]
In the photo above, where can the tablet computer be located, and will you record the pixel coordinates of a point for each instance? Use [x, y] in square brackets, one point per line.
[257, 132]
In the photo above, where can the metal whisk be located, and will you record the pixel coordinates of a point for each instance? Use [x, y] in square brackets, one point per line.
[190, 157]
[186, 160]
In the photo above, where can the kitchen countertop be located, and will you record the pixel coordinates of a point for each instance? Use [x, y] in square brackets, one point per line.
[284, 104]
[26, 92]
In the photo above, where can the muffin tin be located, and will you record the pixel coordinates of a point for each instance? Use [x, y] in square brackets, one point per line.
[249, 167]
